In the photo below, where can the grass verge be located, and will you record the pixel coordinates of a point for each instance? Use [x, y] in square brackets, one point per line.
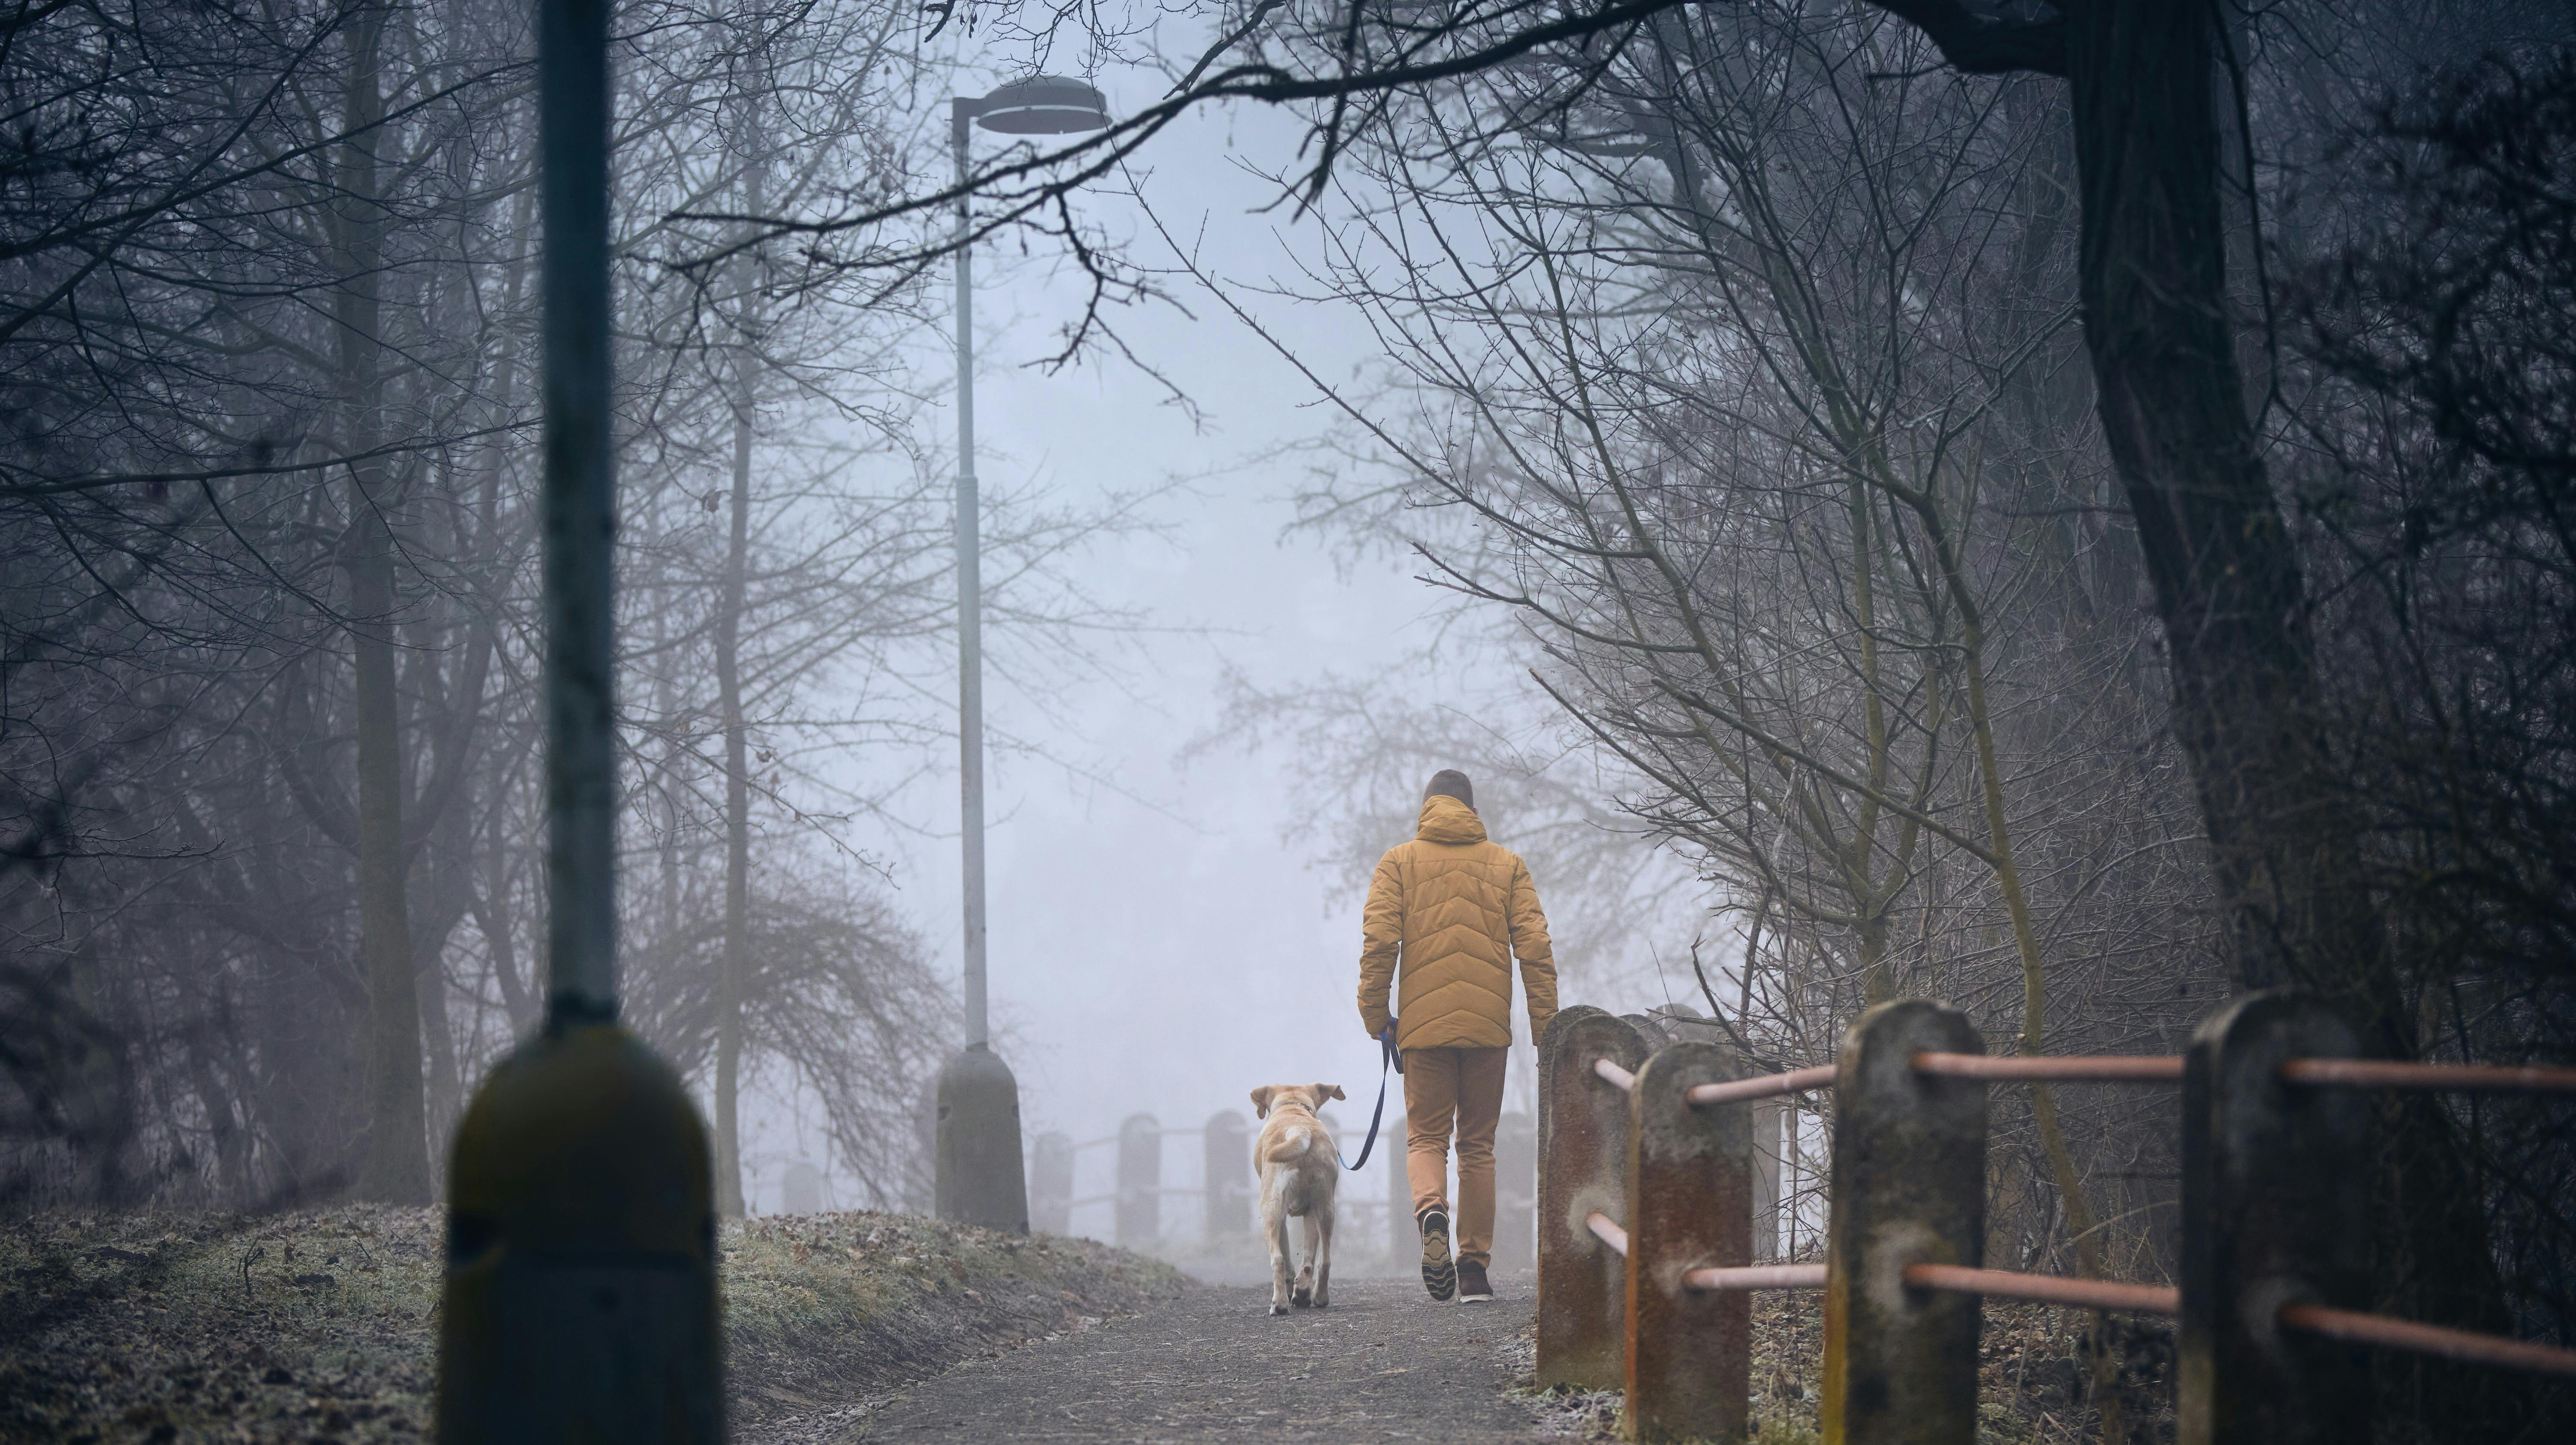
[321, 1326]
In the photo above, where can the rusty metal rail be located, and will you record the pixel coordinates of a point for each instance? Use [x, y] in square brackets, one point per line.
[2361, 1328]
[1766, 1086]
[1755, 1276]
[2045, 1068]
[1648, 1209]
[1607, 1230]
[2407, 1074]
[2047, 1289]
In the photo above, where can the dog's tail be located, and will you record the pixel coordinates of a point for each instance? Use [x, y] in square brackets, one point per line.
[1292, 1144]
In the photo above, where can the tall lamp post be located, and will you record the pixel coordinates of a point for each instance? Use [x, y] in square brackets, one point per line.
[978, 1177]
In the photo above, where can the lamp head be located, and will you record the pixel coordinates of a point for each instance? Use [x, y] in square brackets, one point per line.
[1043, 105]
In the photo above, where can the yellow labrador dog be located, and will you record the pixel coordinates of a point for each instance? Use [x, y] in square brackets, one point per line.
[1299, 1172]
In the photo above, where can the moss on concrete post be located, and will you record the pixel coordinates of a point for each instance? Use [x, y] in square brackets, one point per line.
[2274, 1196]
[1690, 1204]
[1582, 1167]
[1909, 1187]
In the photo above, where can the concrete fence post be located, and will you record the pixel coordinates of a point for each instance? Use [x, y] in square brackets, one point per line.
[1051, 1184]
[1515, 1189]
[1690, 1204]
[2274, 1190]
[1909, 1187]
[1766, 1117]
[1228, 1176]
[1140, 1182]
[1402, 1242]
[1583, 1157]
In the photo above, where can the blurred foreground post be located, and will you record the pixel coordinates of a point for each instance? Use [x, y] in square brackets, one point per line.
[581, 1287]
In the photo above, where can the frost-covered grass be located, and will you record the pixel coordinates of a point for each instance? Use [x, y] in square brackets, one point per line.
[321, 1325]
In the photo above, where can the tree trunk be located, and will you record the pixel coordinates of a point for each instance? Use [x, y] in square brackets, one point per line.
[2246, 706]
[737, 884]
[395, 1165]
[2284, 833]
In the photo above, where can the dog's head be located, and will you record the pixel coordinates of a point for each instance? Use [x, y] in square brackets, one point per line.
[1308, 1097]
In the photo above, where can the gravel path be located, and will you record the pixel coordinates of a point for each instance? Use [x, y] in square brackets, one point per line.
[1384, 1363]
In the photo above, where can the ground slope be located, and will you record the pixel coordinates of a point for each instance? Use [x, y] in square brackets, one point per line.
[320, 1326]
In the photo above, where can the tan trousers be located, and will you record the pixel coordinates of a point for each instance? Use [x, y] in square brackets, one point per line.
[1464, 1088]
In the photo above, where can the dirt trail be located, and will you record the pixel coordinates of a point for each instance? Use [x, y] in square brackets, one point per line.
[1384, 1363]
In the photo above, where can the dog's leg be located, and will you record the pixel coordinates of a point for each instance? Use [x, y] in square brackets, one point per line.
[1274, 1226]
[1322, 1234]
[1306, 1276]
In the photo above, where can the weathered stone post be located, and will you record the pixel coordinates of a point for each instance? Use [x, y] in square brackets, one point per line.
[1140, 1182]
[1909, 1187]
[1051, 1184]
[1582, 1167]
[1690, 1197]
[2274, 1213]
[1228, 1176]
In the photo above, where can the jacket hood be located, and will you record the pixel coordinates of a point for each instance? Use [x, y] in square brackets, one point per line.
[1446, 820]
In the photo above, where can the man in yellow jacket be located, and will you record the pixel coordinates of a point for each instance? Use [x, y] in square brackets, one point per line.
[1447, 913]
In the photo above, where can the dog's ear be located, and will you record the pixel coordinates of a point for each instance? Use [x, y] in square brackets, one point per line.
[1329, 1091]
[1261, 1100]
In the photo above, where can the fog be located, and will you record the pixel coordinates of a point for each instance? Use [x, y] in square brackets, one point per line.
[2050, 516]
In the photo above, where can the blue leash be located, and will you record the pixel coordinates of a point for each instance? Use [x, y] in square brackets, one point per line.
[1391, 1057]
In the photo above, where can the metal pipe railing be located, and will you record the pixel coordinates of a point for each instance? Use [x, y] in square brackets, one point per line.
[1796, 1081]
[2047, 1289]
[2043, 1068]
[2268, 1197]
[2360, 1328]
[2410, 1074]
[1609, 1232]
[1755, 1276]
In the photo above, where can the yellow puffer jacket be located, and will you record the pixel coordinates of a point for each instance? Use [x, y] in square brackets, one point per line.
[1453, 909]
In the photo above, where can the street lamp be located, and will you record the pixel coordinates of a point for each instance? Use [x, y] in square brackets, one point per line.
[978, 1176]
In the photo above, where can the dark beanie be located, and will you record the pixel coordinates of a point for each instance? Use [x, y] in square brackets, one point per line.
[1449, 782]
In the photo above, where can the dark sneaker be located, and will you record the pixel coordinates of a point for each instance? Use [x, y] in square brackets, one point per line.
[1438, 1275]
[1472, 1286]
